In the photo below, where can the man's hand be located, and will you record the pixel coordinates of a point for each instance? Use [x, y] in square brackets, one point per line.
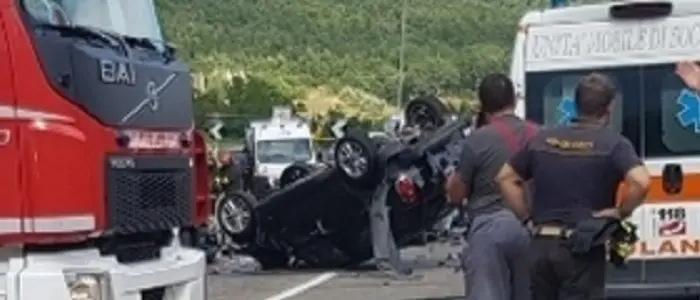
[611, 213]
[689, 72]
[449, 171]
[513, 191]
[455, 189]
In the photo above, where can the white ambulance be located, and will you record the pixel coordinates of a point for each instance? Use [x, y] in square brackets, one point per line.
[278, 142]
[637, 44]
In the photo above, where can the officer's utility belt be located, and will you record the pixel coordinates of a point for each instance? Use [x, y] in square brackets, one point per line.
[617, 236]
[550, 231]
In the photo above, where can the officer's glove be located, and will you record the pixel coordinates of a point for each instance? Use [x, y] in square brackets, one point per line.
[622, 243]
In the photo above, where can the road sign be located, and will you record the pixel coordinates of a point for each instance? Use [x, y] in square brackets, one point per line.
[215, 130]
[338, 129]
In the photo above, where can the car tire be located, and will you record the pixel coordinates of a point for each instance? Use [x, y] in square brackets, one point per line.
[239, 205]
[294, 173]
[355, 157]
[426, 113]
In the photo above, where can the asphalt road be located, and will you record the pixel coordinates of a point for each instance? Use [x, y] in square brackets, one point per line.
[436, 280]
[432, 281]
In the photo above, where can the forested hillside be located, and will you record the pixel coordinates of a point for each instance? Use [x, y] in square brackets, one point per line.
[325, 50]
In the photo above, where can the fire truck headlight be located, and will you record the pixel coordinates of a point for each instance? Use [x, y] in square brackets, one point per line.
[86, 285]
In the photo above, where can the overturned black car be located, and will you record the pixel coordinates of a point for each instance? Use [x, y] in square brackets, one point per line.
[320, 216]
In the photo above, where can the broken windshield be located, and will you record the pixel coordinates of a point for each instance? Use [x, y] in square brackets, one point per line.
[129, 18]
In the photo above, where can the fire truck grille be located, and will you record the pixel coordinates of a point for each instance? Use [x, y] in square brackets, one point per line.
[148, 193]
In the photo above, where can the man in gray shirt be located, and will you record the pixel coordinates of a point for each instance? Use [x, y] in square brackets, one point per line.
[494, 262]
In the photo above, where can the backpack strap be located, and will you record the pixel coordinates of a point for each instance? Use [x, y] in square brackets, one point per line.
[508, 134]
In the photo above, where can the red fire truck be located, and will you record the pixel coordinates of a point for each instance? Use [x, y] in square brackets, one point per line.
[97, 154]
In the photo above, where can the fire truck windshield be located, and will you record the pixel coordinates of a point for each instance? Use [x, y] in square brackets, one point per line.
[124, 17]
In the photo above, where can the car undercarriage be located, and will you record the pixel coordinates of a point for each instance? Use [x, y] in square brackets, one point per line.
[321, 216]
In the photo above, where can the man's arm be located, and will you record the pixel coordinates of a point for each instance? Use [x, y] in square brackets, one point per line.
[636, 177]
[511, 178]
[457, 187]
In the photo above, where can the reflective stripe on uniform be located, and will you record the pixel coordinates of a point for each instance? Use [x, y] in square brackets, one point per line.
[59, 224]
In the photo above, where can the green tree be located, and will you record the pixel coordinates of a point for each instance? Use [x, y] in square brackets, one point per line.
[289, 47]
[237, 102]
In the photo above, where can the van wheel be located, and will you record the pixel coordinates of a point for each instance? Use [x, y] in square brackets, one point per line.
[236, 216]
[355, 156]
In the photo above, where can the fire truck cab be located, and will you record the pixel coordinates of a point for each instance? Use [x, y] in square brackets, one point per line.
[97, 155]
[637, 44]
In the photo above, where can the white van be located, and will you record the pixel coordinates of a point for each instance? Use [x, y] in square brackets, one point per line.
[637, 44]
[278, 142]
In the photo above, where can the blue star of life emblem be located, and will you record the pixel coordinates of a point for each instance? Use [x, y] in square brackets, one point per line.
[566, 110]
[689, 114]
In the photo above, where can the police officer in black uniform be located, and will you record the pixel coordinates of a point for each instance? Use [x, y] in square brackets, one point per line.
[575, 171]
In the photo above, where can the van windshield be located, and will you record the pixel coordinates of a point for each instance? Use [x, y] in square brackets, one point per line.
[283, 151]
[654, 109]
[130, 18]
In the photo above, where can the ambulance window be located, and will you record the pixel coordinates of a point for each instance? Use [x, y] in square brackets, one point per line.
[672, 119]
[550, 95]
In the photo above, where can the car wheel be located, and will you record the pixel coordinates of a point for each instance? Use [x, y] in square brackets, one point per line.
[355, 156]
[236, 216]
[294, 172]
[427, 113]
